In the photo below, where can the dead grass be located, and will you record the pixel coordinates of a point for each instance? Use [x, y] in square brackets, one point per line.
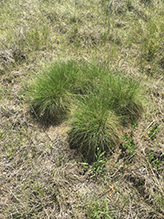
[40, 176]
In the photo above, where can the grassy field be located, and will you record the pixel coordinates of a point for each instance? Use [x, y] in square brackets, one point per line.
[82, 109]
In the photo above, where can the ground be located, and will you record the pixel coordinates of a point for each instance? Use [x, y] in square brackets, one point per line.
[40, 176]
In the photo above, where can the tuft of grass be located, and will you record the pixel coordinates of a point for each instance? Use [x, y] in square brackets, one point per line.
[93, 126]
[49, 94]
[122, 94]
[97, 97]
[125, 98]
[91, 77]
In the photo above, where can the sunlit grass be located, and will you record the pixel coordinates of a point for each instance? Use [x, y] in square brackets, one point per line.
[49, 92]
[98, 99]
[93, 126]
[112, 101]
[126, 98]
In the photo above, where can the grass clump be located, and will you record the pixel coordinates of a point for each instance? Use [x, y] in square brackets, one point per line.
[99, 100]
[112, 102]
[125, 98]
[93, 126]
[49, 93]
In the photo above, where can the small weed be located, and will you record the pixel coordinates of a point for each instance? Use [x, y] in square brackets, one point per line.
[99, 210]
[51, 146]
[150, 50]
[98, 167]
[153, 132]
[157, 162]
[1, 93]
[2, 134]
[9, 153]
[128, 141]
[38, 38]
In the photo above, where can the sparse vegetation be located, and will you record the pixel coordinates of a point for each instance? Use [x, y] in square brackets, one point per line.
[128, 141]
[98, 167]
[153, 132]
[97, 210]
[86, 70]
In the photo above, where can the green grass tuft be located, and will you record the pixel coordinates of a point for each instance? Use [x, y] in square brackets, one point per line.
[49, 94]
[93, 126]
[99, 100]
[125, 98]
